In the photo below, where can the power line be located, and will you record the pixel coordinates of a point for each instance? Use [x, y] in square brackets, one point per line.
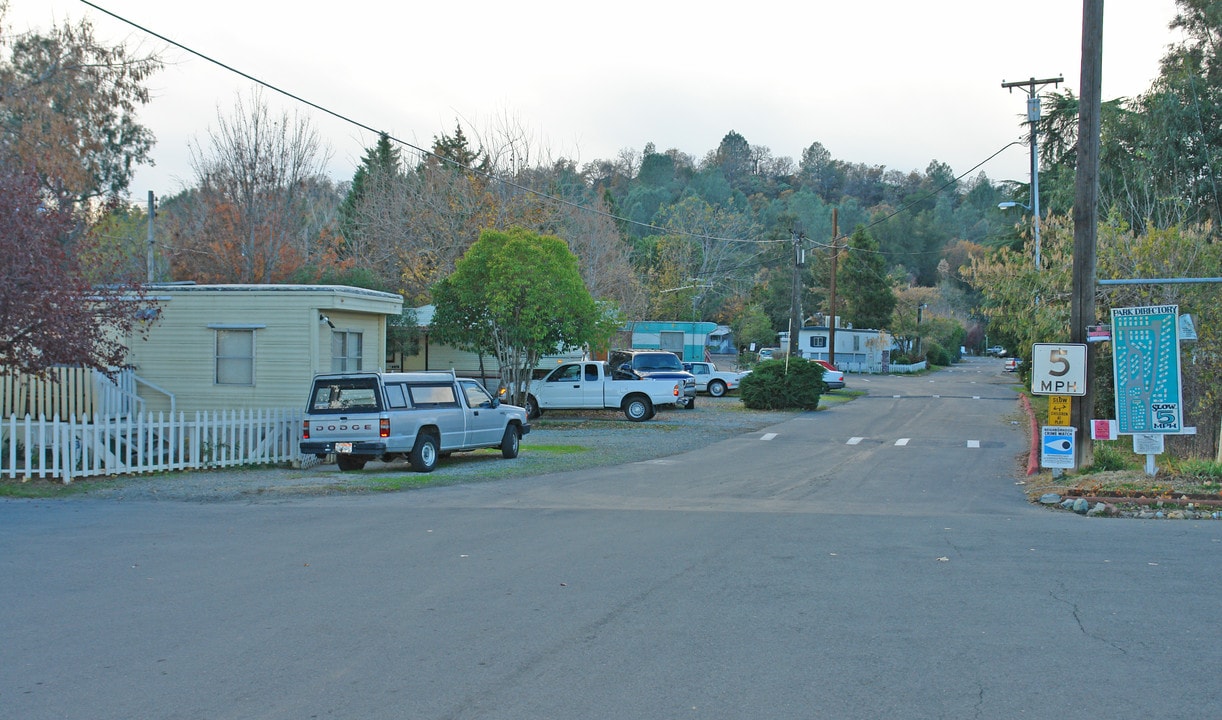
[364, 126]
[933, 193]
[496, 178]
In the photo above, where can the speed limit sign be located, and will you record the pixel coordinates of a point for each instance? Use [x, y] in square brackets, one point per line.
[1058, 369]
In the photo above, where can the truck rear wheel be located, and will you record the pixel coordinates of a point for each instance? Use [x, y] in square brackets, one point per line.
[350, 462]
[424, 453]
[510, 442]
[637, 408]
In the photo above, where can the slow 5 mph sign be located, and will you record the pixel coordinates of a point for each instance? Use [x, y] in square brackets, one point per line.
[1058, 369]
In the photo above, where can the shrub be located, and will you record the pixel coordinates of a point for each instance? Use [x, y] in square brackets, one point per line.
[771, 386]
[938, 355]
[1198, 469]
[1108, 457]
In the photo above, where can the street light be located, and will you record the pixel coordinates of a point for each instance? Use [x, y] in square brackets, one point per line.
[1009, 204]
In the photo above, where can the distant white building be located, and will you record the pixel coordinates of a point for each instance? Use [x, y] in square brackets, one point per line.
[859, 351]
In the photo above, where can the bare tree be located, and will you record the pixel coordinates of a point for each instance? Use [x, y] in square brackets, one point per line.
[253, 191]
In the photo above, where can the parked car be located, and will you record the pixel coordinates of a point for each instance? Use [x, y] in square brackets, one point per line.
[420, 416]
[711, 380]
[594, 385]
[996, 350]
[656, 365]
[832, 378]
[768, 353]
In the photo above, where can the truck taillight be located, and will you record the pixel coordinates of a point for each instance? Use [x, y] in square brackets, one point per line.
[384, 427]
[676, 391]
[305, 429]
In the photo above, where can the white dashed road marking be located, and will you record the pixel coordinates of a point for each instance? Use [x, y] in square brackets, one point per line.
[901, 442]
[973, 443]
[767, 436]
[854, 440]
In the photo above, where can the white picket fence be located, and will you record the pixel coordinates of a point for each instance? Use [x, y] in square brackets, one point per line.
[146, 442]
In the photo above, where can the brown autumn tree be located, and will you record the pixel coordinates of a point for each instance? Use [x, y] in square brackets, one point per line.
[49, 313]
[250, 218]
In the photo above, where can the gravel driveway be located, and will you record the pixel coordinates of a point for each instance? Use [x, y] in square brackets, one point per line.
[558, 441]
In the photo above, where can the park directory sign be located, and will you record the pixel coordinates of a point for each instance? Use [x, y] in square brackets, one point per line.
[1146, 366]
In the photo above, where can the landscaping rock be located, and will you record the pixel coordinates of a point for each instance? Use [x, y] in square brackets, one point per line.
[1080, 506]
[1050, 499]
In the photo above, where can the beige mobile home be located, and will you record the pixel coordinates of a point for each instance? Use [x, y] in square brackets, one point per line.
[225, 347]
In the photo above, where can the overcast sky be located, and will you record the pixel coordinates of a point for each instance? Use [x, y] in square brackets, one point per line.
[886, 82]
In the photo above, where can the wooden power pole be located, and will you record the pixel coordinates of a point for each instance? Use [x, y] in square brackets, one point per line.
[1085, 216]
[831, 323]
[795, 301]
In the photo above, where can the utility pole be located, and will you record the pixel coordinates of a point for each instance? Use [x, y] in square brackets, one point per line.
[1033, 117]
[831, 324]
[152, 213]
[795, 305]
[1085, 216]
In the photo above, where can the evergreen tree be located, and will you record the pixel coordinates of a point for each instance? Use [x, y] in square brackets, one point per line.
[866, 288]
[457, 149]
[382, 161]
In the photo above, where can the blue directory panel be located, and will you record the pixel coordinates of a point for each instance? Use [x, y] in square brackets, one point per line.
[1146, 364]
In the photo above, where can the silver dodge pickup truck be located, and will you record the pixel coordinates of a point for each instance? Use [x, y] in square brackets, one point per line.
[421, 416]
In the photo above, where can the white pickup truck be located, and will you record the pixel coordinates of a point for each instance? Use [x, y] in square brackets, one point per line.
[422, 416]
[711, 380]
[591, 385]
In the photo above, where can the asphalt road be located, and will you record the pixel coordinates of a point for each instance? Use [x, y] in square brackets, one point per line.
[871, 560]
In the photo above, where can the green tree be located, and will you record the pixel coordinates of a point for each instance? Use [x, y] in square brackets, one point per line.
[117, 242]
[68, 110]
[519, 295]
[1025, 305]
[377, 173]
[866, 287]
[733, 158]
[819, 172]
[753, 326]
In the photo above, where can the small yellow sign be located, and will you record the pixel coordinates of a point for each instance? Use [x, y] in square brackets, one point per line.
[1058, 409]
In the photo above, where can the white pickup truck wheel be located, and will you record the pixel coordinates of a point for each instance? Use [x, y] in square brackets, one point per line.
[637, 408]
[717, 388]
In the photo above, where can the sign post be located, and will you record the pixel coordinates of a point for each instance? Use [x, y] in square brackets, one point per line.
[1146, 366]
[1058, 369]
[1058, 409]
[1057, 449]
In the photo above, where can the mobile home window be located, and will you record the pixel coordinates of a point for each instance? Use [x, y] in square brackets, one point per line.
[235, 357]
[345, 351]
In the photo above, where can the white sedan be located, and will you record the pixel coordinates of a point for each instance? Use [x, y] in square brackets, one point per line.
[833, 378]
[711, 380]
